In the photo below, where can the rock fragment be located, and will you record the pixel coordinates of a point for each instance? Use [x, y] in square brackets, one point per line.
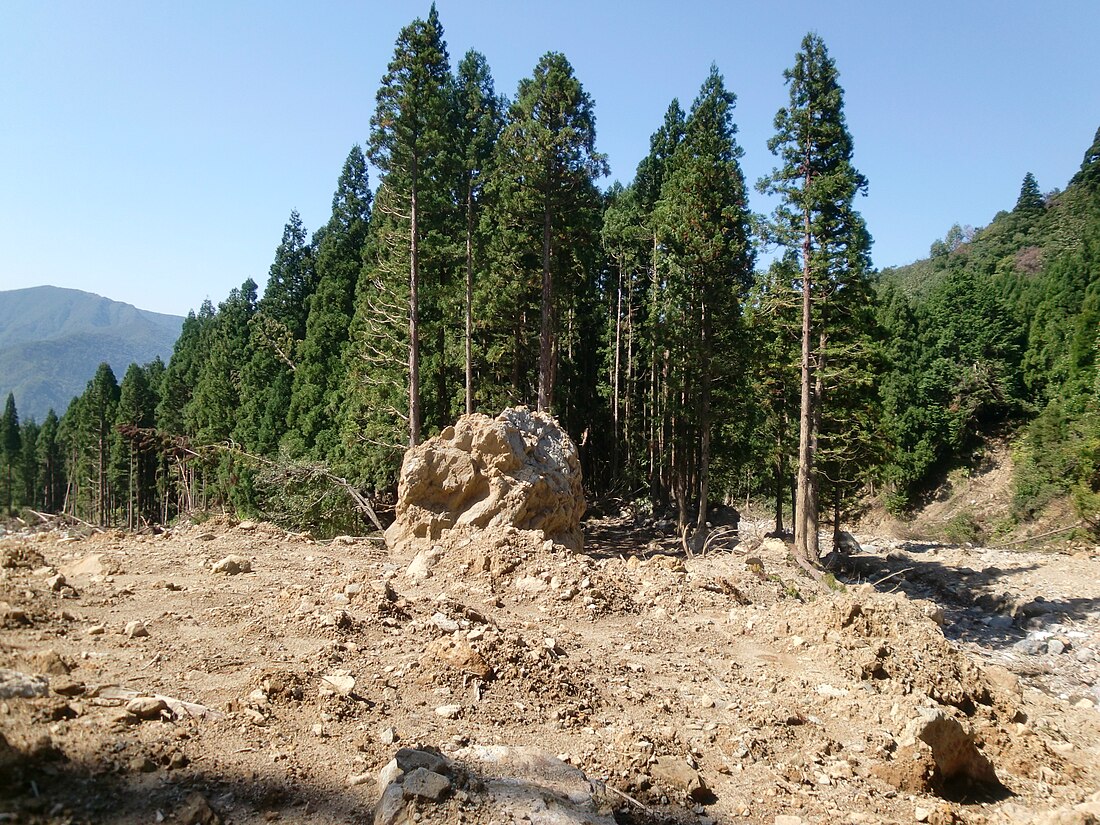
[340, 682]
[16, 685]
[421, 783]
[147, 707]
[677, 773]
[197, 811]
[232, 565]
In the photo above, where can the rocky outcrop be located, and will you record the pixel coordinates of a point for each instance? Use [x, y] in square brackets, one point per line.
[518, 471]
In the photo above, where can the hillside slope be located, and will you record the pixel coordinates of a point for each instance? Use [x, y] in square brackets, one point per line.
[52, 340]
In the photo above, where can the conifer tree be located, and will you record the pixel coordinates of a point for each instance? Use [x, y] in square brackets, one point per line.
[275, 329]
[817, 185]
[1030, 199]
[10, 446]
[133, 458]
[225, 345]
[50, 478]
[182, 372]
[87, 429]
[775, 331]
[545, 171]
[702, 222]
[28, 463]
[479, 112]
[625, 238]
[411, 143]
[649, 179]
[320, 375]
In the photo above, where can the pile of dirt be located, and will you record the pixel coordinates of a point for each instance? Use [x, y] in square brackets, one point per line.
[166, 684]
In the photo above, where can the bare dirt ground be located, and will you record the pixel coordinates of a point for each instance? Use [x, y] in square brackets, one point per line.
[138, 685]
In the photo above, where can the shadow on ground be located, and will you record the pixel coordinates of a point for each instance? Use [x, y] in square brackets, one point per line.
[49, 789]
[979, 605]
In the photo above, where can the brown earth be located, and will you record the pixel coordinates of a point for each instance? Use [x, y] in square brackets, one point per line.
[943, 684]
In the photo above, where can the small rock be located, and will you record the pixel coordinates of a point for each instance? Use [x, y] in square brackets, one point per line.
[388, 735]
[96, 630]
[408, 759]
[786, 819]
[1029, 646]
[360, 779]
[205, 537]
[422, 783]
[197, 811]
[142, 764]
[13, 616]
[232, 565]
[16, 685]
[420, 569]
[50, 663]
[444, 623]
[135, 629]
[921, 814]
[341, 683]
[178, 760]
[146, 707]
[1056, 647]
[676, 772]
[448, 711]
[120, 717]
[56, 583]
[67, 687]
[1084, 704]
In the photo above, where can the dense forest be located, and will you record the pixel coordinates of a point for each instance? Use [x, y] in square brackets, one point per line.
[487, 269]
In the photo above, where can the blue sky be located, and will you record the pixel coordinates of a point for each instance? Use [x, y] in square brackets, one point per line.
[152, 151]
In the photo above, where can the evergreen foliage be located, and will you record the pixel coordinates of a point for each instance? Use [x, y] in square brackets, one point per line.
[706, 261]
[548, 208]
[319, 379]
[11, 443]
[816, 221]
[487, 269]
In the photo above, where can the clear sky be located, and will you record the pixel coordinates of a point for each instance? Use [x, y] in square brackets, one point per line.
[151, 151]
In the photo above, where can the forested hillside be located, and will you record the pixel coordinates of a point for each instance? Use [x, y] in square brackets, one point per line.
[52, 340]
[486, 268]
[997, 332]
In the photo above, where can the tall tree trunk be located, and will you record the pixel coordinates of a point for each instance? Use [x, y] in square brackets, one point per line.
[618, 367]
[780, 474]
[704, 425]
[414, 315]
[628, 406]
[836, 516]
[469, 299]
[546, 339]
[805, 525]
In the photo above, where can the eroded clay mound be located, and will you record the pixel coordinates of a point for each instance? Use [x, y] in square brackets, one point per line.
[518, 471]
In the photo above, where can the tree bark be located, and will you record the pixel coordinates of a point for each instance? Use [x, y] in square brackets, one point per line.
[806, 517]
[704, 425]
[780, 473]
[618, 366]
[469, 299]
[414, 314]
[546, 340]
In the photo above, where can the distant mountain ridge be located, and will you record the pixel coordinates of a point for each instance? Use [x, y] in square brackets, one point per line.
[53, 339]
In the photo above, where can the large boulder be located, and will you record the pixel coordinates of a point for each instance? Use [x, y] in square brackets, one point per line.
[518, 471]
